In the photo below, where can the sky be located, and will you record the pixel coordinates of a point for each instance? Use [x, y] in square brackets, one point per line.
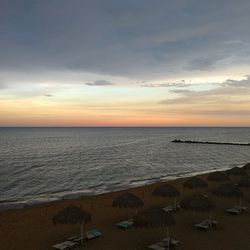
[124, 63]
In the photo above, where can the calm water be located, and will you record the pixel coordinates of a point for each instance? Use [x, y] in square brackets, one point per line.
[41, 164]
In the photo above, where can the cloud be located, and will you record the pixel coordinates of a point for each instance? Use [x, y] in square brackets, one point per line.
[230, 92]
[137, 39]
[181, 84]
[48, 95]
[245, 83]
[99, 83]
[203, 63]
[180, 91]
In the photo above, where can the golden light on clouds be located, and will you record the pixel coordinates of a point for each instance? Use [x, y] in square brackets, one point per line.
[219, 104]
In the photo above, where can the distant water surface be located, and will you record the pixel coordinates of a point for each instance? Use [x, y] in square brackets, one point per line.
[41, 164]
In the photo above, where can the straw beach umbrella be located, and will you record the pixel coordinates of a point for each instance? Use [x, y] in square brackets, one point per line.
[155, 217]
[195, 182]
[198, 202]
[128, 200]
[72, 215]
[218, 176]
[245, 182]
[228, 190]
[166, 190]
[237, 171]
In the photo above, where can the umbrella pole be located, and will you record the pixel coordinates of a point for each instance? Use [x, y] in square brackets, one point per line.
[168, 238]
[81, 234]
[210, 220]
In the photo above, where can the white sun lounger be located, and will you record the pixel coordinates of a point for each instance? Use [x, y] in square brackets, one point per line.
[91, 234]
[171, 208]
[205, 225]
[236, 210]
[173, 241]
[162, 245]
[126, 224]
[75, 241]
[65, 245]
[156, 246]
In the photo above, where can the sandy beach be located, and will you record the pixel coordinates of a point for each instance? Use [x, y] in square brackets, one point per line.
[32, 228]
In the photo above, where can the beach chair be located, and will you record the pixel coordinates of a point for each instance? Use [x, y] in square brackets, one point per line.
[172, 208]
[65, 245]
[236, 210]
[173, 242]
[126, 224]
[60, 246]
[206, 225]
[156, 246]
[93, 233]
[163, 245]
[77, 239]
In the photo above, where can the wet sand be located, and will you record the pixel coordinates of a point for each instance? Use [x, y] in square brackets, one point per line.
[32, 228]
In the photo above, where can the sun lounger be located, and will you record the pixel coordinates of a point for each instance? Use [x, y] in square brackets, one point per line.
[156, 246]
[126, 224]
[65, 245]
[60, 246]
[93, 233]
[163, 245]
[72, 238]
[171, 208]
[206, 225]
[173, 241]
[236, 210]
[71, 244]
[75, 240]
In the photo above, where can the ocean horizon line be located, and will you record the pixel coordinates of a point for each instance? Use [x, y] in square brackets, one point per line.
[125, 126]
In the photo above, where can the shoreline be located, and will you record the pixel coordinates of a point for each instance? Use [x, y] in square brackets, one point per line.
[89, 192]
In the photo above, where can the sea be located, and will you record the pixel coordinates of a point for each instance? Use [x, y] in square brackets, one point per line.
[39, 165]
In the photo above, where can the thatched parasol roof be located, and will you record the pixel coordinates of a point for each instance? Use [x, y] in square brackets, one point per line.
[127, 200]
[154, 217]
[197, 202]
[195, 182]
[247, 166]
[227, 190]
[245, 182]
[237, 171]
[166, 190]
[218, 176]
[72, 215]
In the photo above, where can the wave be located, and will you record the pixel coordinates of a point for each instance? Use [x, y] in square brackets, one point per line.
[93, 191]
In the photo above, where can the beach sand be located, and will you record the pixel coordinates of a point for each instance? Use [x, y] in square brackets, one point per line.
[32, 228]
